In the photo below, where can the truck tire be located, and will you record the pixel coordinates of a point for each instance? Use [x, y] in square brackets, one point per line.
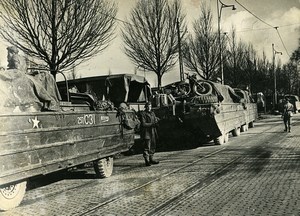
[202, 88]
[226, 137]
[104, 167]
[251, 124]
[221, 139]
[12, 195]
[236, 132]
[210, 99]
[244, 128]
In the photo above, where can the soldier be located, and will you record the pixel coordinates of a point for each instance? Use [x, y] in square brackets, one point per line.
[149, 123]
[13, 58]
[287, 114]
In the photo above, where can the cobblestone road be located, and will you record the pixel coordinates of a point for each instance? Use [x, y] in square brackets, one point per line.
[257, 173]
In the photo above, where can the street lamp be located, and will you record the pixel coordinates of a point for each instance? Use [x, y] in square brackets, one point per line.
[219, 2]
[274, 72]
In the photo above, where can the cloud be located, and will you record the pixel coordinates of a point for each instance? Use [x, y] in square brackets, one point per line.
[252, 30]
[241, 20]
[292, 16]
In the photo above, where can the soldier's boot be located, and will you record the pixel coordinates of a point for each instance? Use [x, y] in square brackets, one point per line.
[147, 162]
[152, 161]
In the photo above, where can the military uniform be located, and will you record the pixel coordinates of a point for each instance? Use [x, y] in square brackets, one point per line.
[288, 109]
[149, 135]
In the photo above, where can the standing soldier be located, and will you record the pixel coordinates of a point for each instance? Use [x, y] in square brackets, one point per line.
[149, 123]
[287, 113]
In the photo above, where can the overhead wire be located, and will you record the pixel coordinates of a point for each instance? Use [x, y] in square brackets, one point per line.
[268, 28]
[274, 27]
[253, 14]
[282, 42]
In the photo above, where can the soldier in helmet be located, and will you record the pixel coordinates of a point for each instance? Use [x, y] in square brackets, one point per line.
[149, 124]
[288, 109]
[14, 61]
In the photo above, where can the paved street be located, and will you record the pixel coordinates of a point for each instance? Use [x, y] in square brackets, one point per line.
[256, 173]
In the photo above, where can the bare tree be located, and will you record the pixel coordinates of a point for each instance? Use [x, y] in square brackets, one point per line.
[249, 68]
[296, 54]
[236, 60]
[265, 78]
[60, 33]
[150, 37]
[72, 74]
[201, 52]
[294, 64]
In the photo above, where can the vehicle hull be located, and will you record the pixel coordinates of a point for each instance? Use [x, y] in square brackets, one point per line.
[214, 122]
[34, 144]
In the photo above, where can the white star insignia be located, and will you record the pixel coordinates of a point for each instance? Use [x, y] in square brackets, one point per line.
[35, 122]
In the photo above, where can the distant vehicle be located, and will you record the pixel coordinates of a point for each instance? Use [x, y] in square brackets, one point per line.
[37, 139]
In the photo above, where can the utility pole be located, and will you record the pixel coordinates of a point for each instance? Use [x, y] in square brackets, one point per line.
[219, 8]
[180, 52]
[274, 72]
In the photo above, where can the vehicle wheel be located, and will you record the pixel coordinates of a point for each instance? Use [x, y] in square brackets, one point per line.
[226, 137]
[244, 128]
[206, 99]
[12, 195]
[236, 132]
[104, 167]
[202, 88]
[219, 140]
[251, 124]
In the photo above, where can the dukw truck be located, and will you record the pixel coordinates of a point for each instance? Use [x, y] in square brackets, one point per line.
[205, 109]
[41, 134]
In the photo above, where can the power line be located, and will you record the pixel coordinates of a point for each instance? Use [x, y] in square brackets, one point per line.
[269, 28]
[261, 29]
[274, 27]
[282, 42]
[254, 14]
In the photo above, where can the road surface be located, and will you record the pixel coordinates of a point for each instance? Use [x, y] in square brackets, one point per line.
[256, 173]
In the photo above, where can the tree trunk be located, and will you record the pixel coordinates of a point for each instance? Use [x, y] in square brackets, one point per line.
[53, 71]
[159, 81]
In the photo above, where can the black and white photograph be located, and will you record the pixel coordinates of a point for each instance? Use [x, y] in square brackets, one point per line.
[149, 107]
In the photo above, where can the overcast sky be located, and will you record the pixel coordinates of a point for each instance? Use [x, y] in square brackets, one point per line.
[282, 13]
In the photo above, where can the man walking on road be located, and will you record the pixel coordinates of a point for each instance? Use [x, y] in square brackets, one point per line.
[149, 123]
[287, 113]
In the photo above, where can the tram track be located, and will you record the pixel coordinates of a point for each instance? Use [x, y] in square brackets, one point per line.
[260, 156]
[200, 184]
[113, 198]
[150, 182]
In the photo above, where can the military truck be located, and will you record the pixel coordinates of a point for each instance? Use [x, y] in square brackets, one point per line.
[210, 111]
[41, 133]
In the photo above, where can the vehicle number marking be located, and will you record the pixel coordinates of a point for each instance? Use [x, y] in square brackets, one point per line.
[86, 119]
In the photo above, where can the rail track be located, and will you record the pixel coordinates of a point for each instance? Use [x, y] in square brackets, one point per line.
[188, 170]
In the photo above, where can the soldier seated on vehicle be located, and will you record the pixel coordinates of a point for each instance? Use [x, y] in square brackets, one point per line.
[73, 89]
[15, 61]
[123, 106]
[27, 92]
